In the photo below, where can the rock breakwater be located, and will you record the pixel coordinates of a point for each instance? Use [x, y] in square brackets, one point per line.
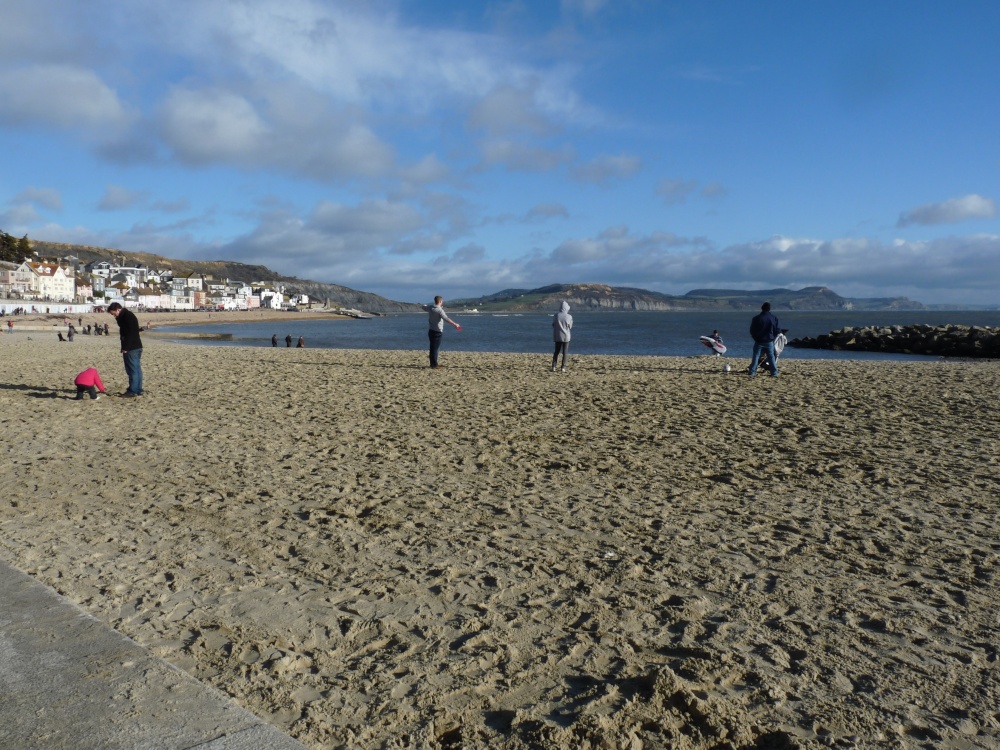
[943, 341]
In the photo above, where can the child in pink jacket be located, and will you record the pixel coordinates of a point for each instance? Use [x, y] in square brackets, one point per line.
[88, 381]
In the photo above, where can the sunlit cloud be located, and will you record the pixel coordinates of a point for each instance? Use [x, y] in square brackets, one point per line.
[951, 211]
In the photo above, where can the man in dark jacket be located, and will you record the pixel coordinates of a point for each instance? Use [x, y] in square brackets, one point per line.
[764, 329]
[128, 331]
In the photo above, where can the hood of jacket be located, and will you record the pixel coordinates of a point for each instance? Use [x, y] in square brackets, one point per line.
[564, 306]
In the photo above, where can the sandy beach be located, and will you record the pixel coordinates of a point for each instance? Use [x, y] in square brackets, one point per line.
[638, 553]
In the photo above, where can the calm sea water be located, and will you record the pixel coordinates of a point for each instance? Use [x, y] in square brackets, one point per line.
[647, 333]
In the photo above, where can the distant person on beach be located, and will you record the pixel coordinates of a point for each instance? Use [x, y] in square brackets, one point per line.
[274, 340]
[562, 323]
[128, 332]
[715, 335]
[88, 381]
[288, 341]
[764, 329]
[436, 318]
[302, 343]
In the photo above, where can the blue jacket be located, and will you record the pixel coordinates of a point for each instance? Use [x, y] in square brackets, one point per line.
[764, 328]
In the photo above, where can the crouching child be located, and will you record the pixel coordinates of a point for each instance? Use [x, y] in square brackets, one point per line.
[88, 381]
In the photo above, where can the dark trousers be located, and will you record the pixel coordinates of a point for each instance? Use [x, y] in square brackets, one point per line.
[81, 389]
[435, 340]
[561, 346]
[133, 368]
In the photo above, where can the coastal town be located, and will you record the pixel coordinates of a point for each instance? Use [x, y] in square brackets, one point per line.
[65, 285]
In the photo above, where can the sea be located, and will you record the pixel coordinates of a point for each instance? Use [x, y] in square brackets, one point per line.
[666, 334]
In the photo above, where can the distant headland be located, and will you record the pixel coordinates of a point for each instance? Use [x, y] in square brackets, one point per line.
[603, 297]
[596, 297]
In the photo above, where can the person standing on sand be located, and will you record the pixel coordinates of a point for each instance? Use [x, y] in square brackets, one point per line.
[764, 328]
[288, 341]
[128, 332]
[562, 323]
[302, 343]
[436, 318]
[274, 340]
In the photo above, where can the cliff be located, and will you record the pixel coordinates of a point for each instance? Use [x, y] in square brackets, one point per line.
[603, 297]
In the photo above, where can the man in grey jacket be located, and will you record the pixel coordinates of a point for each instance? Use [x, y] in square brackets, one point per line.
[436, 318]
[562, 324]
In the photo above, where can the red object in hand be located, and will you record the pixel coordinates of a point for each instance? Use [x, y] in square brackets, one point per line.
[458, 327]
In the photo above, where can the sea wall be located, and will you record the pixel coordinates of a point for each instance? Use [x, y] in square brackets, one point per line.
[943, 341]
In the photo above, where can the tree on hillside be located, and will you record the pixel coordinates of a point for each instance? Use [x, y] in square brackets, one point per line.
[6, 247]
[14, 250]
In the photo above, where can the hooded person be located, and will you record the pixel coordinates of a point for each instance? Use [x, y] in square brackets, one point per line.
[562, 324]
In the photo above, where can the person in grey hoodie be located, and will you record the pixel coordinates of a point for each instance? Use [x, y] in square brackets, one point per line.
[562, 324]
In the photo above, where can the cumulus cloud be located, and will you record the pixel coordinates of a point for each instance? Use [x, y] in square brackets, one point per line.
[60, 96]
[950, 211]
[375, 222]
[45, 197]
[582, 7]
[508, 110]
[676, 191]
[603, 169]
[714, 190]
[118, 198]
[525, 157]
[429, 169]
[208, 125]
[546, 211]
[17, 217]
[298, 135]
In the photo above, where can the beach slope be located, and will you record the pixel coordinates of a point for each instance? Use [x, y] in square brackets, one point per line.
[640, 552]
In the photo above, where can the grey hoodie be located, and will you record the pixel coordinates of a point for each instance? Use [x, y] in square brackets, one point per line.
[562, 322]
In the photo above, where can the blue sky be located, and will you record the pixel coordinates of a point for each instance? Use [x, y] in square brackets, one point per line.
[413, 148]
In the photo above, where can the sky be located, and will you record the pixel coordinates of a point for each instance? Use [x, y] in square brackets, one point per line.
[420, 147]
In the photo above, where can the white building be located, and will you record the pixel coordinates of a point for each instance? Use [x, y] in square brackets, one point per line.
[50, 281]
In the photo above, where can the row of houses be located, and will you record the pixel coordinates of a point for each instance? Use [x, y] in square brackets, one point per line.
[103, 282]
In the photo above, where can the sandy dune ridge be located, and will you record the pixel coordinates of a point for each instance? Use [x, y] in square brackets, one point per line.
[638, 553]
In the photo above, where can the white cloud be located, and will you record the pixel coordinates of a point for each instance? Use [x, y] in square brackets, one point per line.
[951, 211]
[603, 169]
[60, 96]
[17, 217]
[45, 197]
[429, 169]
[525, 157]
[117, 198]
[378, 221]
[676, 191]
[508, 110]
[204, 126]
[714, 190]
[583, 7]
[546, 211]
[290, 131]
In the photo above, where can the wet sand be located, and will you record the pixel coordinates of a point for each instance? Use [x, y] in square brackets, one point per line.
[638, 553]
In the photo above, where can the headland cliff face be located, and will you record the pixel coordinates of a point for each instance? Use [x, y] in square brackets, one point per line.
[610, 298]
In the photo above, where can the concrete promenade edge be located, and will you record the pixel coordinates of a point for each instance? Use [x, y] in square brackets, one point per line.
[69, 682]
